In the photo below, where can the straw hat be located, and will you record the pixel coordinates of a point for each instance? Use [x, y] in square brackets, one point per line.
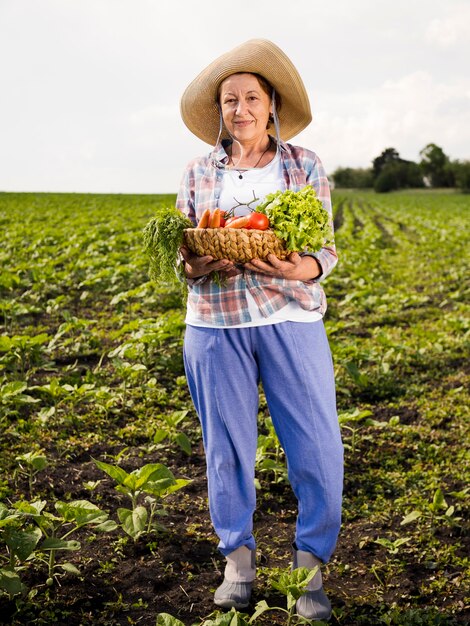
[199, 108]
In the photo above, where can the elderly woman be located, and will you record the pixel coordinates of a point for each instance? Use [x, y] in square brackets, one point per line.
[264, 322]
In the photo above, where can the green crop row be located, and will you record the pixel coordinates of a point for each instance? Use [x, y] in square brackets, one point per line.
[91, 379]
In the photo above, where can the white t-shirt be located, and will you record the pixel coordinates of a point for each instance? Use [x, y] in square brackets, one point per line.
[246, 193]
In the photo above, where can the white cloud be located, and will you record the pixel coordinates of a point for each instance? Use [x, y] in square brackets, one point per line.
[448, 30]
[93, 86]
[407, 114]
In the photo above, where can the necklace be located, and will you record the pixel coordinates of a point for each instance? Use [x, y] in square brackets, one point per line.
[240, 175]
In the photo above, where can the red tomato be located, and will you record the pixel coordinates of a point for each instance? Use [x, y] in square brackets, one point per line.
[258, 221]
[222, 220]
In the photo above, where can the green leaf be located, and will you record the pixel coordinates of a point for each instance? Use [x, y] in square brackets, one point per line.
[7, 516]
[81, 512]
[164, 619]
[33, 509]
[70, 568]
[55, 543]
[10, 582]
[22, 542]
[411, 517]
[160, 435]
[36, 460]
[5, 343]
[114, 471]
[260, 608]
[177, 417]
[154, 473]
[107, 526]
[13, 388]
[133, 521]
[233, 618]
[183, 442]
[161, 491]
[438, 501]
[293, 583]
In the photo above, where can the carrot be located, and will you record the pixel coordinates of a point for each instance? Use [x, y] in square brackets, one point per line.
[214, 220]
[204, 221]
[239, 222]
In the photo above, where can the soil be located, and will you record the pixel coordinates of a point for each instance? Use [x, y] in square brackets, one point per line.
[177, 571]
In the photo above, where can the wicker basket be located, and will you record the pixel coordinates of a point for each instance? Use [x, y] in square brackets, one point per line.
[237, 244]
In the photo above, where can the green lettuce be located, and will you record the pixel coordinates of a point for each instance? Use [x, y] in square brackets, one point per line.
[299, 218]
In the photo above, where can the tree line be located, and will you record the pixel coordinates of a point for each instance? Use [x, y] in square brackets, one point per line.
[390, 172]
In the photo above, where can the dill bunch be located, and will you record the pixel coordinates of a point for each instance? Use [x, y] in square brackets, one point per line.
[163, 237]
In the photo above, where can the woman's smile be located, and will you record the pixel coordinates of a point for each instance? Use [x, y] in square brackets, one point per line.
[243, 123]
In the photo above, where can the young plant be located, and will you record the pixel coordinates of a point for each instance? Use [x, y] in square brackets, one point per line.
[354, 421]
[233, 618]
[30, 464]
[57, 528]
[153, 479]
[22, 352]
[435, 510]
[392, 547]
[171, 431]
[291, 583]
[12, 396]
[19, 543]
[32, 535]
[270, 455]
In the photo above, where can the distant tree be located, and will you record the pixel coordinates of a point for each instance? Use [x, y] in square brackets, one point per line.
[386, 180]
[399, 175]
[389, 155]
[461, 172]
[353, 178]
[435, 165]
[392, 172]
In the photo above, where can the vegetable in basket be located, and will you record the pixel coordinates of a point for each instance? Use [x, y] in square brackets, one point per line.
[298, 218]
[163, 237]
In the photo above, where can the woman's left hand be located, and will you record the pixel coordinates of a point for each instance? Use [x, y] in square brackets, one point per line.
[295, 267]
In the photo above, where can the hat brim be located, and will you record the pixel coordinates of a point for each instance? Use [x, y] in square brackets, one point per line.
[199, 108]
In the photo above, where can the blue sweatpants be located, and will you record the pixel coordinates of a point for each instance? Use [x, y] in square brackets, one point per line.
[293, 362]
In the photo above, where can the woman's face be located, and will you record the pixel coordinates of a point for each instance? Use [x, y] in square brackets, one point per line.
[245, 107]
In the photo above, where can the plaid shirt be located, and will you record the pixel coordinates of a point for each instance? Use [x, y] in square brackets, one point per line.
[227, 305]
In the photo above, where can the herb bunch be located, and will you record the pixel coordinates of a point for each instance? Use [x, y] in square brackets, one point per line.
[163, 237]
[299, 218]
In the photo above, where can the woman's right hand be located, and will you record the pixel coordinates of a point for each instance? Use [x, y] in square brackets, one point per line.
[197, 266]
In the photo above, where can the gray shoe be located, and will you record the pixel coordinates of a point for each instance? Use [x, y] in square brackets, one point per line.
[235, 595]
[314, 603]
[240, 571]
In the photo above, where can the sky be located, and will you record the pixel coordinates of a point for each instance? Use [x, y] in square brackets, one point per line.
[90, 89]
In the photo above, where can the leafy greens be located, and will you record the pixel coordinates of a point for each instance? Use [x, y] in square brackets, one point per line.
[163, 237]
[299, 218]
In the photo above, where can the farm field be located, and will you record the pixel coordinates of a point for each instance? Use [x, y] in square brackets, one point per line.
[93, 389]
